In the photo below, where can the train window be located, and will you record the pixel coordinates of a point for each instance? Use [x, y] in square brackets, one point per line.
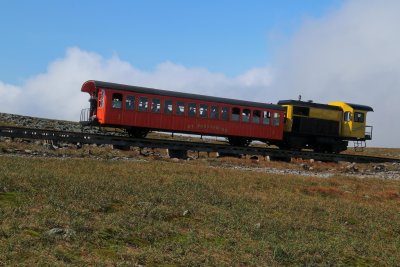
[347, 116]
[101, 98]
[180, 108]
[192, 109]
[203, 110]
[246, 115]
[256, 116]
[143, 103]
[277, 119]
[302, 111]
[155, 105]
[168, 106]
[130, 102]
[358, 117]
[117, 100]
[266, 117]
[235, 114]
[225, 113]
[214, 112]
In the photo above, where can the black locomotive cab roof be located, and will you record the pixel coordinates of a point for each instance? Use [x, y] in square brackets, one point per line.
[360, 107]
[308, 104]
[145, 90]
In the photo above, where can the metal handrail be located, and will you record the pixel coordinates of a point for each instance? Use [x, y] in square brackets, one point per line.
[85, 115]
[368, 132]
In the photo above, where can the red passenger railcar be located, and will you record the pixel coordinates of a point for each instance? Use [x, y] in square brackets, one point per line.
[140, 110]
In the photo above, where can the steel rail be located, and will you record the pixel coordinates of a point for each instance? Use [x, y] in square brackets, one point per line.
[99, 139]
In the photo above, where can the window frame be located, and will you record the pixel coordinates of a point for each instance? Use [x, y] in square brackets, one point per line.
[192, 105]
[235, 116]
[158, 105]
[225, 115]
[179, 104]
[276, 119]
[266, 120]
[132, 99]
[102, 92]
[167, 103]
[359, 119]
[256, 117]
[214, 112]
[143, 109]
[246, 115]
[116, 104]
[347, 116]
[203, 114]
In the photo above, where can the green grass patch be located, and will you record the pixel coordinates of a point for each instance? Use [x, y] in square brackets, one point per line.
[192, 214]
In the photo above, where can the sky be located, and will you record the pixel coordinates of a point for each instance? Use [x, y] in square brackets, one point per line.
[263, 51]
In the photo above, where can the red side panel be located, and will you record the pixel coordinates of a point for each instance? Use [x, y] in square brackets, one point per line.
[124, 117]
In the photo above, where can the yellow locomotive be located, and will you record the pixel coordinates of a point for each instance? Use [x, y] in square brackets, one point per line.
[324, 127]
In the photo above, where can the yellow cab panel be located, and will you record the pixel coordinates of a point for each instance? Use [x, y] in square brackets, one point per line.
[296, 109]
[354, 120]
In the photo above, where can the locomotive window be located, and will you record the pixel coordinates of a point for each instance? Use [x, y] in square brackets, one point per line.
[130, 102]
[168, 107]
[192, 109]
[302, 111]
[225, 113]
[235, 114]
[347, 116]
[203, 110]
[266, 117]
[143, 103]
[180, 108]
[155, 105]
[117, 100]
[358, 117]
[214, 112]
[246, 115]
[277, 119]
[256, 116]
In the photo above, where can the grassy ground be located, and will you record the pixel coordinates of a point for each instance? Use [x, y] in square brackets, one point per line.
[188, 213]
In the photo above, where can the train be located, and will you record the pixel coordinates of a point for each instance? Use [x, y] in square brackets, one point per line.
[289, 124]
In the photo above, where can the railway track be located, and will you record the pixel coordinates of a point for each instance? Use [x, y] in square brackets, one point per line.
[183, 146]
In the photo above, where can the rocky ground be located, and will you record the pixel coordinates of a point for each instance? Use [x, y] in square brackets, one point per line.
[39, 148]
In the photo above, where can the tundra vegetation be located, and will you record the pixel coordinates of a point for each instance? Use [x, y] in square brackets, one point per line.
[149, 211]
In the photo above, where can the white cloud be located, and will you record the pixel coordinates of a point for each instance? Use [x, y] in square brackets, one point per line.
[56, 93]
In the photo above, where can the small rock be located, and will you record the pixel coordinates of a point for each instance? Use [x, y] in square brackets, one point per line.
[27, 151]
[64, 233]
[379, 167]
[312, 160]
[305, 167]
[254, 159]
[257, 225]
[352, 167]
[175, 160]
[186, 213]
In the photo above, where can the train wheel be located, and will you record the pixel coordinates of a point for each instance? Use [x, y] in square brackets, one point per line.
[137, 133]
[321, 149]
[238, 141]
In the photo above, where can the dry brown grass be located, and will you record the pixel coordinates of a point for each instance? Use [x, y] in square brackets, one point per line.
[191, 213]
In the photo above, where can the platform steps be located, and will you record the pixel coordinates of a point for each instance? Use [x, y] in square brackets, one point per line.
[359, 145]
